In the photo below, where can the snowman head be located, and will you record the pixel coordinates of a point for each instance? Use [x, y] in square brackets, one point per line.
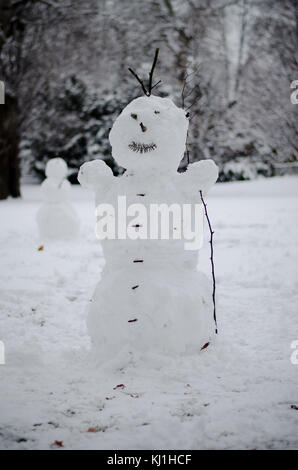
[149, 134]
[56, 168]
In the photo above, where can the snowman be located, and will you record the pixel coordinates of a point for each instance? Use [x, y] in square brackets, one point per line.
[56, 217]
[151, 298]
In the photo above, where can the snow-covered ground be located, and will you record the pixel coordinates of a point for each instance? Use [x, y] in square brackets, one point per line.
[238, 393]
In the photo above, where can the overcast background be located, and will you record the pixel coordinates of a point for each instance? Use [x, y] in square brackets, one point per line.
[65, 67]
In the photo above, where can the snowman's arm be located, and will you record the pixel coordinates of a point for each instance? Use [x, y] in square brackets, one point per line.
[95, 175]
[201, 175]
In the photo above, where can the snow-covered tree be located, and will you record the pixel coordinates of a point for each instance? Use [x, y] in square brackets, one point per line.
[239, 57]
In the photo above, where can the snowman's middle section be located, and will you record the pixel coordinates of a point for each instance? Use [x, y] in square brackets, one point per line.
[155, 224]
[151, 294]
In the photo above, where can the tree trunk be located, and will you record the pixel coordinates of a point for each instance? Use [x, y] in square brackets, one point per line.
[9, 149]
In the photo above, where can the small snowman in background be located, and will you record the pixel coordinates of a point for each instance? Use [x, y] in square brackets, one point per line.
[56, 218]
[151, 297]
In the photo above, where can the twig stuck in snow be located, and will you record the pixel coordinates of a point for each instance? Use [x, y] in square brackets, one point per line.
[139, 80]
[156, 84]
[189, 90]
[152, 71]
[187, 149]
[150, 86]
[211, 259]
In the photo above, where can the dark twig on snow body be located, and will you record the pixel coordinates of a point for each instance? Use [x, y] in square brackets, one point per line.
[211, 259]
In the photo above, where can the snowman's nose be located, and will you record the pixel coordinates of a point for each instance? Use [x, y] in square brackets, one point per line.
[144, 128]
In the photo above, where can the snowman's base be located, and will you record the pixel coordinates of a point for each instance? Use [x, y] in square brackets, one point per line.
[57, 221]
[167, 313]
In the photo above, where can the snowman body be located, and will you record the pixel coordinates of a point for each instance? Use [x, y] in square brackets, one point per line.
[56, 217]
[151, 298]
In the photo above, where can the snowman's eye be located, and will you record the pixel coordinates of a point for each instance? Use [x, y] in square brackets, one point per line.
[134, 116]
[157, 112]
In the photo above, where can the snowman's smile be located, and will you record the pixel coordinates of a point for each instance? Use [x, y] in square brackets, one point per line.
[142, 148]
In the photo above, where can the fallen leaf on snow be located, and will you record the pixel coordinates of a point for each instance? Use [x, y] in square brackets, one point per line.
[93, 429]
[98, 429]
[57, 444]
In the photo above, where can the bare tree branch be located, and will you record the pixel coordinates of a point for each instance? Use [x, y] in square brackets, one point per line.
[211, 259]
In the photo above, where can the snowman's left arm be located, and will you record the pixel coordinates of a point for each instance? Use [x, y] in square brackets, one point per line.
[95, 175]
[201, 175]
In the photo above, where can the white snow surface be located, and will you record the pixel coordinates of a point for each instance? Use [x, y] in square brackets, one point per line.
[236, 394]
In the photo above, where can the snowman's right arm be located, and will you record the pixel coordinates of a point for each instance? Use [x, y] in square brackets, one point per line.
[95, 175]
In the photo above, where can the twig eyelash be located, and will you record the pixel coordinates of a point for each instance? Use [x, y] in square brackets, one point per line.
[142, 148]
